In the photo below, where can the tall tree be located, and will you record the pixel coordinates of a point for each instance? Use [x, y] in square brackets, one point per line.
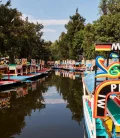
[75, 24]
[88, 41]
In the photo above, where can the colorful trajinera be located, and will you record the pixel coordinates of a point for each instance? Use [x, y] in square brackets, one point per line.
[101, 99]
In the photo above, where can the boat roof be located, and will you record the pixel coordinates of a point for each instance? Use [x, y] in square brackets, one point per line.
[89, 81]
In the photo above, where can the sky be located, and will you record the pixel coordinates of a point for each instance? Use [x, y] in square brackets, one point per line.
[54, 14]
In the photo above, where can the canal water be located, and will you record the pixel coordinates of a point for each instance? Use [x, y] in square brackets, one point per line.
[50, 107]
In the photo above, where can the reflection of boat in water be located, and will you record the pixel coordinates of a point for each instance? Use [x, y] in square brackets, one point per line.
[85, 131]
[101, 102]
[57, 72]
[21, 91]
[68, 74]
[4, 100]
[34, 86]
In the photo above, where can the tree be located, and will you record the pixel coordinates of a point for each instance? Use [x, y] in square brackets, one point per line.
[55, 52]
[109, 7]
[19, 38]
[88, 41]
[75, 24]
[77, 43]
[113, 6]
[69, 45]
[107, 28]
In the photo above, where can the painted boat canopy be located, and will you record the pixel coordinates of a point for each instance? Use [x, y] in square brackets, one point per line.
[89, 81]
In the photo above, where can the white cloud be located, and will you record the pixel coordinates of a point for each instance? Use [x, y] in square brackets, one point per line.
[46, 22]
[50, 22]
[49, 30]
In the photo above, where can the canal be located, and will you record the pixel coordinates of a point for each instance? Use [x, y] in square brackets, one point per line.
[50, 107]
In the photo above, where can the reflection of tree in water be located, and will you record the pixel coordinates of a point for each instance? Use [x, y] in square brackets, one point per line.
[71, 91]
[12, 120]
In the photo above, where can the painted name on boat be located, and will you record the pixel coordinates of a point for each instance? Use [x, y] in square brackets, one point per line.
[102, 93]
[107, 47]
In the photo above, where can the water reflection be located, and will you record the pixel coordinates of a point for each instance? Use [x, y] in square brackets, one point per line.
[4, 100]
[18, 103]
[47, 105]
[68, 74]
[52, 97]
[69, 85]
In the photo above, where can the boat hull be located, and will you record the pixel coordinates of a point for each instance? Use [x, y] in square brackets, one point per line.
[87, 119]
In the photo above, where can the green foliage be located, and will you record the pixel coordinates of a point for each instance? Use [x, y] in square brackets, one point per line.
[19, 38]
[88, 42]
[81, 39]
[113, 6]
[77, 42]
[107, 28]
[109, 6]
[103, 7]
[75, 25]
[54, 49]
[22, 39]
[69, 45]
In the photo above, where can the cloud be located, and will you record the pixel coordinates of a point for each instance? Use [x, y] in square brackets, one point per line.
[49, 30]
[54, 101]
[46, 22]
[50, 22]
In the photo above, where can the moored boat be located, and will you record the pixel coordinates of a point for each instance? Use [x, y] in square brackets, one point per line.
[101, 101]
[21, 71]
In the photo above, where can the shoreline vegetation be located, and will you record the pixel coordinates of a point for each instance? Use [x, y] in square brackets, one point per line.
[22, 39]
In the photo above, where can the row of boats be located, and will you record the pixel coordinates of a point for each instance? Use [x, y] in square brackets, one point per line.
[22, 71]
[70, 65]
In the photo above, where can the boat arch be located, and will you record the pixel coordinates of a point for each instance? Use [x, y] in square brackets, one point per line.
[101, 97]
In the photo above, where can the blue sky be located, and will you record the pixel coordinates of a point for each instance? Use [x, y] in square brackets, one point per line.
[55, 13]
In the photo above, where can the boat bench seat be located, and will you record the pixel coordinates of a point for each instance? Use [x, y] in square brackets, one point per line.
[114, 111]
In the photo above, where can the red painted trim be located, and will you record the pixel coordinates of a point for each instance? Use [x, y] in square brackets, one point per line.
[106, 100]
[116, 100]
[103, 46]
